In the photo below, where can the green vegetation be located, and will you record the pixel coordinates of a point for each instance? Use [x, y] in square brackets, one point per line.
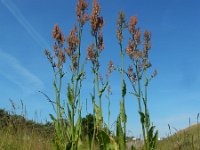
[17, 133]
[67, 121]
[68, 130]
[186, 139]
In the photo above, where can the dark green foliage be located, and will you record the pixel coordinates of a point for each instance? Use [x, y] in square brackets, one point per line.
[120, 134]
[88, 126]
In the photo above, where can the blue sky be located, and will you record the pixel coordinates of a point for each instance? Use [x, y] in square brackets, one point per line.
[174, 95]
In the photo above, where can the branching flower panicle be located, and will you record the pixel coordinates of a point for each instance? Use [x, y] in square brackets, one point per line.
[57, 35]
[130, 48]
[110, 69]
[121, 24]
[91, 53]
[100, 41]
[133, 22]
[96, 21]
[82, 17]
[59, 55]
[137, 36]
[147, 44]
[72, 42]
[131, 75]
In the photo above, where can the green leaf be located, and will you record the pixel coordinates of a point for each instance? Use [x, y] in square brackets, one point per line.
[103, 89]
[122, 111]
[133, 147]
[120, 134]
[99, 119]
[142, 117]
[107, 141]
[52, 117]
[69, 114]
[70, 95]
[123, 89]
[80, 75]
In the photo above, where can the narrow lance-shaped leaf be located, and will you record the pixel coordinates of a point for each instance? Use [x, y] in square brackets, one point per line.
[120, 134]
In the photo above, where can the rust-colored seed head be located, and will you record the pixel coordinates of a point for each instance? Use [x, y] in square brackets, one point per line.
[130, 71]
[147, 44]
[57, 34]
[61, 56]
[147, 36]
[95, 21]
[100, 41]
[129, 49]
[80, 7]
[133, 22]
[90, 52]
[136, 55]
[137, 36]
[121, 23]
[121, 19]
[80, 12]
[110, 68]
[68, 51]
[72, 42]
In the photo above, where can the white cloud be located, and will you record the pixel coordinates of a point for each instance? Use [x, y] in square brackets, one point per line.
[20, 76]
[24, 22]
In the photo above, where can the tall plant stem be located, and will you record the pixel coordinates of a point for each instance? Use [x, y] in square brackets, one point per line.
[97, 74]
[146, 110]
[93, 102]
[76, 86]
[139, 103]
[122, 82]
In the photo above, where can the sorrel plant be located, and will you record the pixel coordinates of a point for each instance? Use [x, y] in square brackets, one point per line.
[67, 121]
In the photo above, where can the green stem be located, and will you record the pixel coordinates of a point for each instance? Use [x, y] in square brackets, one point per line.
[145, 105]
[93, 102]
[139, 103]
[76, 87]
[122, 80]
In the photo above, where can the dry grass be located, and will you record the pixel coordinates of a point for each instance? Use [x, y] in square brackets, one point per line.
[187, 139]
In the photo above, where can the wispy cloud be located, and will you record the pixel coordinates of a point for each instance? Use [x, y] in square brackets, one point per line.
[24, 22]
[19, 75]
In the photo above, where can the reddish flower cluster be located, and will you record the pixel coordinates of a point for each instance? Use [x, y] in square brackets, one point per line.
[90, 52]
[49, 57]
[121, 23]
[133, 22]
[100, 41]
[96, 21]
[57, 34]
[137, 36]
[147, 44]
[110, 69]
[134, 43]
[80, 12]
[130, 48]
[97, 26]
[72, 42]
[58, 48]
[61, 58]
[130, 74]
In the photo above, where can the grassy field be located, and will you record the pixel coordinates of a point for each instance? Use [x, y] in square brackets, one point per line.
[186, 139]
[17, 133]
